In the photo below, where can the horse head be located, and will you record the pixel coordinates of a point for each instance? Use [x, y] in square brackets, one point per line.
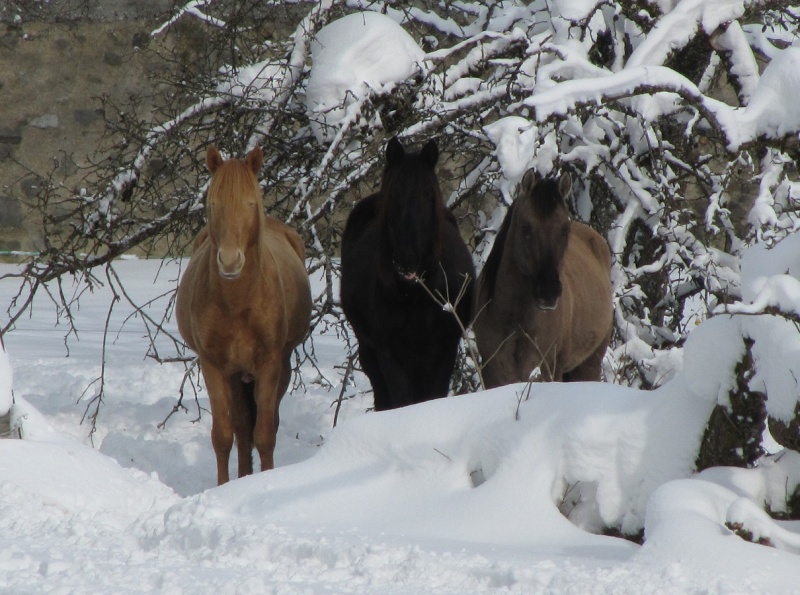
[541, 224]
[234, 207]
[411, 209]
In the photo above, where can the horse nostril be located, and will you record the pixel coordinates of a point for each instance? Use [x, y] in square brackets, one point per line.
[548, 304]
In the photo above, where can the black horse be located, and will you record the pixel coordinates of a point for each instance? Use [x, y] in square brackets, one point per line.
[401, 246]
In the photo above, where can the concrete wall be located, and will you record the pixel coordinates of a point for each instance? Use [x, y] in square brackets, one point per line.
[56, 59]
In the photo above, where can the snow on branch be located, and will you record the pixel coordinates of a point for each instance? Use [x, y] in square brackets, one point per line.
[193, 9]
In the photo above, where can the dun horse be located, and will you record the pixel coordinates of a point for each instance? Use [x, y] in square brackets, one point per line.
[544, 296]
[243, 305]
[400, 247]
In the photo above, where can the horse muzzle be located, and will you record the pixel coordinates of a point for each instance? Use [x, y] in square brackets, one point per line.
[230, 265]
[408, 274]
[547, 292]
[547, 305]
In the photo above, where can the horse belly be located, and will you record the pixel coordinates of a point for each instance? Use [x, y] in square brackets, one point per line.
[296, 303]
[189, 304]
[592, 317]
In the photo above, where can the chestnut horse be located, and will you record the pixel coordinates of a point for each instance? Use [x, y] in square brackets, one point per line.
[544, 296]
[243, 305]
[400, 248]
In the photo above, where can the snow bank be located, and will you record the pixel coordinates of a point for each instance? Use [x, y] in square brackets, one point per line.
[686, 536]
[487, 467]
[55, 471]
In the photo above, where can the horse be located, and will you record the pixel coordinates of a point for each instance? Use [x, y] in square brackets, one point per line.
[543, 299]
[243, 305]
[402, 262]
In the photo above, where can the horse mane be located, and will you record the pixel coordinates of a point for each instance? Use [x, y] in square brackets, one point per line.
[399, 164]
[548, 197]
[233, 177]
[492, 265]
[546, 200]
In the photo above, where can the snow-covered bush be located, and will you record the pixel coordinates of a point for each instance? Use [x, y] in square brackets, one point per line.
[677, 118]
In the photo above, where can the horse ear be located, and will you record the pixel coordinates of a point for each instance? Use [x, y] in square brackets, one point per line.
[430, 153]
[213, 158]
[394, 151]
[565, 185]
[528, 182]
[255, 159]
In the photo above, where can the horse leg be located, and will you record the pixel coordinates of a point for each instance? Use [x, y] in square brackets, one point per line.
[268, 381]
[219, 395]
[243, 412]
[372, 368]
[443, 361]
[283, 386]
[397, 380]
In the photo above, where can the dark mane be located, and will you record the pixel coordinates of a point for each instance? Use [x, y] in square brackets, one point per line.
[547, 198]
[411, 211]
[496, 255]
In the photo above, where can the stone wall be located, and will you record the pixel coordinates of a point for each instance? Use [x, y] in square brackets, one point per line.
[56, 59]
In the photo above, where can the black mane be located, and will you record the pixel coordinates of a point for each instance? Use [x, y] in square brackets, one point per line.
[547, 198]
[496, 255]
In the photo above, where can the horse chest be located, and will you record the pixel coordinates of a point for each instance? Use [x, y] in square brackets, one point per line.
[542, 327]
[241, 344]
[406, 307]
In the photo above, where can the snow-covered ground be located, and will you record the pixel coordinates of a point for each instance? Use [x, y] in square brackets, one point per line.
[459, 495]
[498, 491]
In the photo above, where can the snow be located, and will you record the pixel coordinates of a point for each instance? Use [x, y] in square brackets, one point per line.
[771, 280]
[515, 141]
[361, 51]
[680, 24]
[769, 113]
[464, 494]
[562, 85]
[6, 381]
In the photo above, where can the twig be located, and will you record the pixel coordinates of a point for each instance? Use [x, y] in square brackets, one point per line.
[444, 302]
[97, 400]
[348, 373]
[187, 376]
